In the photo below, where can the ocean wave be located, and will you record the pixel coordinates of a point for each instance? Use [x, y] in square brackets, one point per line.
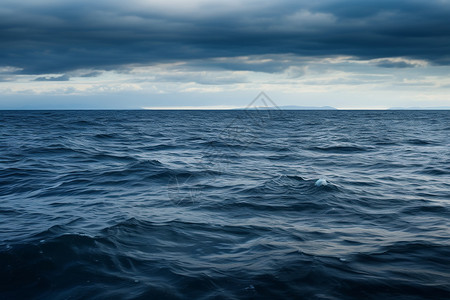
[339, 149]
[106, 135]
[419, 142]
[138, 259]
[287, 184]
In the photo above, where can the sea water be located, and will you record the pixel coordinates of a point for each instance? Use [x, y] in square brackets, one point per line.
[224, 204]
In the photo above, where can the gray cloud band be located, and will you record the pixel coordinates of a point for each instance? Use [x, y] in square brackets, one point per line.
[73, 35]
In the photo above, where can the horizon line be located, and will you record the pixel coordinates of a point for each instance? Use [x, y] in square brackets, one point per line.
[289, 107]
[223, 107]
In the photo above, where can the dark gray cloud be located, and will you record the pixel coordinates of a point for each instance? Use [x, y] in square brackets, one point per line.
[5, 79]
[53, 78]
[92, 74]
[395, 64]
[42, 37]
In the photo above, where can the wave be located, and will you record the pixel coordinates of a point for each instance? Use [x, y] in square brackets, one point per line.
[138, 258]
[434, 171]
[339, 149]
[106, 135]
[419, 142]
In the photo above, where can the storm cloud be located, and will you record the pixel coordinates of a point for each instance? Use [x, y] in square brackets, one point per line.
[59, 37]
[54, 78]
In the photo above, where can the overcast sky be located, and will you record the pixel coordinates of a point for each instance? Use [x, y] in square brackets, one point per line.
[136, 53]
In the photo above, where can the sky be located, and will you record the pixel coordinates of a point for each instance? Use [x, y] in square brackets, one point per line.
[221, 54]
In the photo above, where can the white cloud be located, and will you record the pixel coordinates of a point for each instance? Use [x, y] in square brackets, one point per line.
[336, 81]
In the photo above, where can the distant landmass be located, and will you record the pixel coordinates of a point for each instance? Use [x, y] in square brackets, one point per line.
[292, 107]
[421, 108]
[295, 107]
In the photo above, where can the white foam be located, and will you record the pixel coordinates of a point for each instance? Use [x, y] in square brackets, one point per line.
[321, 182]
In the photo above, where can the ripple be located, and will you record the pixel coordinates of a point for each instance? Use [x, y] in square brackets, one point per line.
[339, 149]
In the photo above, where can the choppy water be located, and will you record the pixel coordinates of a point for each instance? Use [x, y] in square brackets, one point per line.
[224, 204]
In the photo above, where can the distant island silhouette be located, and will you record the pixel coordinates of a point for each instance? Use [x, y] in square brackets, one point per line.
[291, 107]
[421, 108]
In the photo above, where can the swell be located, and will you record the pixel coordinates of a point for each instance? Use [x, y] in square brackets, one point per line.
[140, 259]
[339, 149]
[290, 184]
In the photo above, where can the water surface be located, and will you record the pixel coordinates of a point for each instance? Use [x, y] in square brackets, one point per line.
[223, 204]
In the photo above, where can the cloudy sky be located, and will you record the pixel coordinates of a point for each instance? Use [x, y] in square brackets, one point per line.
[210, 53]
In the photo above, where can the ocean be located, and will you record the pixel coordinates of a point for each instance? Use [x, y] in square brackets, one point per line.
[235, 204]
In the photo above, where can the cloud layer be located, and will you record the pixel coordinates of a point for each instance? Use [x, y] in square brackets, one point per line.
[59, 37]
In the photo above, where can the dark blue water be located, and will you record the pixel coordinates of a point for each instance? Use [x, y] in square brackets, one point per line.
[224, 204]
